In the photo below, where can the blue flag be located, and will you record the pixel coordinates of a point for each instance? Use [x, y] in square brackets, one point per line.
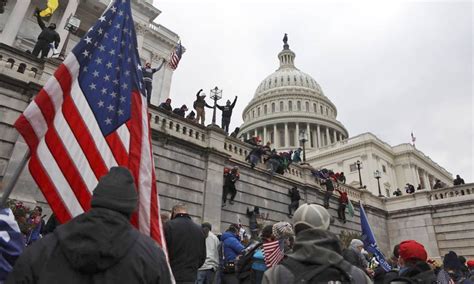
[369, 240]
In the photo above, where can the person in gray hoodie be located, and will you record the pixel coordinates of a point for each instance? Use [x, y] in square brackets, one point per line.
[98, 246]
[316, 253]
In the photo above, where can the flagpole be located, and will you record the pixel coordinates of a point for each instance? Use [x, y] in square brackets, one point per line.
[16, 174]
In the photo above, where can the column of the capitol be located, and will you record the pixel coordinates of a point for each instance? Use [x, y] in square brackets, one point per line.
[287, 144]
[296, 136]
[328, 138]
[318, 130]
[275, 135]
[14, 21]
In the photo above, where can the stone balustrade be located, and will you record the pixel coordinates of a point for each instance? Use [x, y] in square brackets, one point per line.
[20, 65]
[451, 192]
[178, 127]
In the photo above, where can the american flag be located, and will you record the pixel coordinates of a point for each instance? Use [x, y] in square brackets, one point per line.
[273, 252]
[91, 115]
[176, 57]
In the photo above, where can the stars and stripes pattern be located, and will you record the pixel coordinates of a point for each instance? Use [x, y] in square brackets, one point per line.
[273, 252]
[176, 57]
[91, 115]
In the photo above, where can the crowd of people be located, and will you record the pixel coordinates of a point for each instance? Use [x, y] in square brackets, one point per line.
[101, 246]
[198, 115]
[410, 188]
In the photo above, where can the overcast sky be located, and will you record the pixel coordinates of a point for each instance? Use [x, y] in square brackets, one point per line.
[390, 68]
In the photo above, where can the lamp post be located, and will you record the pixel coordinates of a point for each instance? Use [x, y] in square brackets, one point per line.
[358, 163]
[378, 176]
[216, 95]
[303, 139]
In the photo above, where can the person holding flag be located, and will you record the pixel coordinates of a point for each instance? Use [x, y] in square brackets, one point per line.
[46, 38]
[343, 201]
[90, 117]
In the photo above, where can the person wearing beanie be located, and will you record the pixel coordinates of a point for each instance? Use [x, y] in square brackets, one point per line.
[413, 265]
[452, 270]
[98, 246]
[186, 245]
[316, 253]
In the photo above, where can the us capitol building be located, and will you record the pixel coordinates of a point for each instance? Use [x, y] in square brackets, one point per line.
[289, 107]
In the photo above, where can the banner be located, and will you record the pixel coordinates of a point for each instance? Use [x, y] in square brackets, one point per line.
[369, 240]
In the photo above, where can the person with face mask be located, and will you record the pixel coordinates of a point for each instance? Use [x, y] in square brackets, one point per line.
[227, 113]
[47, 36]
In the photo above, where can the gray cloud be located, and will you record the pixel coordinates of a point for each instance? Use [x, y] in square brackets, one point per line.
[390, 68]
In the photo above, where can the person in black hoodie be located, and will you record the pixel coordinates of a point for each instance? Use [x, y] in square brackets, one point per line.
[181, 111]
[226, 114]
[98, 246]
[47, 36]
[186, 245]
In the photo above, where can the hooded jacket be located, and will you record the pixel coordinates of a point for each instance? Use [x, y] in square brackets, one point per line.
[99, 246]
[232, 246]
[313, 247]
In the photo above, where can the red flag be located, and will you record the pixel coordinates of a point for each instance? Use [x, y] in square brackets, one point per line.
[90, 116]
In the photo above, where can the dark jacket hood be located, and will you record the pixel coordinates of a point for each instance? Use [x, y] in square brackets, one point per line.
[314, 246]
[96, 240]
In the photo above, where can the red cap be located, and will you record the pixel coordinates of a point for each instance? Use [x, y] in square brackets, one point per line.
[412, 250]
[470, 263]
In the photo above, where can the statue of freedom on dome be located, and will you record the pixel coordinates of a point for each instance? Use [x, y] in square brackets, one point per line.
[285, 42]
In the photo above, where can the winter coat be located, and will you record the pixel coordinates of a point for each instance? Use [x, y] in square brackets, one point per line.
[343, 199]
[421, 272]
[179, 111]
[200, 101]
[313, 247]
[232, 246]
[99, 246]
[227, 109]
[186, 247]
[148, 72]
[47, 34]
[353, 258]
[12, 242]
[294, 195]
[165, 106]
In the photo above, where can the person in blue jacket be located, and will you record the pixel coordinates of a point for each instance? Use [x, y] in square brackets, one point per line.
[232, 248]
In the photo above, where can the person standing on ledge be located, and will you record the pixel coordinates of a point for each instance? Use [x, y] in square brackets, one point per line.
[47, 36]
[148, 78]
[458, 180]
[199, 105]
[226, 114]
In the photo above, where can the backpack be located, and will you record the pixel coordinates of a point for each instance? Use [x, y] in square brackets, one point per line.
[244, 262]
[312, 274]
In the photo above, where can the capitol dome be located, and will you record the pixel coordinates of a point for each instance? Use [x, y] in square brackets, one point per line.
[288, 105]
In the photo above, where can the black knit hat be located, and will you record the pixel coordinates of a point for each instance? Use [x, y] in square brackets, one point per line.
[116, 191]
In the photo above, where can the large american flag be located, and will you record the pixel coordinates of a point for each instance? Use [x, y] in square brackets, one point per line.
[90, 116]
[273, 252]
[176, 56]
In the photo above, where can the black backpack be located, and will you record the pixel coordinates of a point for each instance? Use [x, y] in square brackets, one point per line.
[243, 264]
[312, 274]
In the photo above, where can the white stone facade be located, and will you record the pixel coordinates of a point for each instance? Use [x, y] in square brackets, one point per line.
[398, 165]
[19, 29]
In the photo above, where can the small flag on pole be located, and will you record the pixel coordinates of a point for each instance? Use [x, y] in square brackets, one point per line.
[273, 252]
[350, 207]
[413, 138]
[370, 244]
[176, 57]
